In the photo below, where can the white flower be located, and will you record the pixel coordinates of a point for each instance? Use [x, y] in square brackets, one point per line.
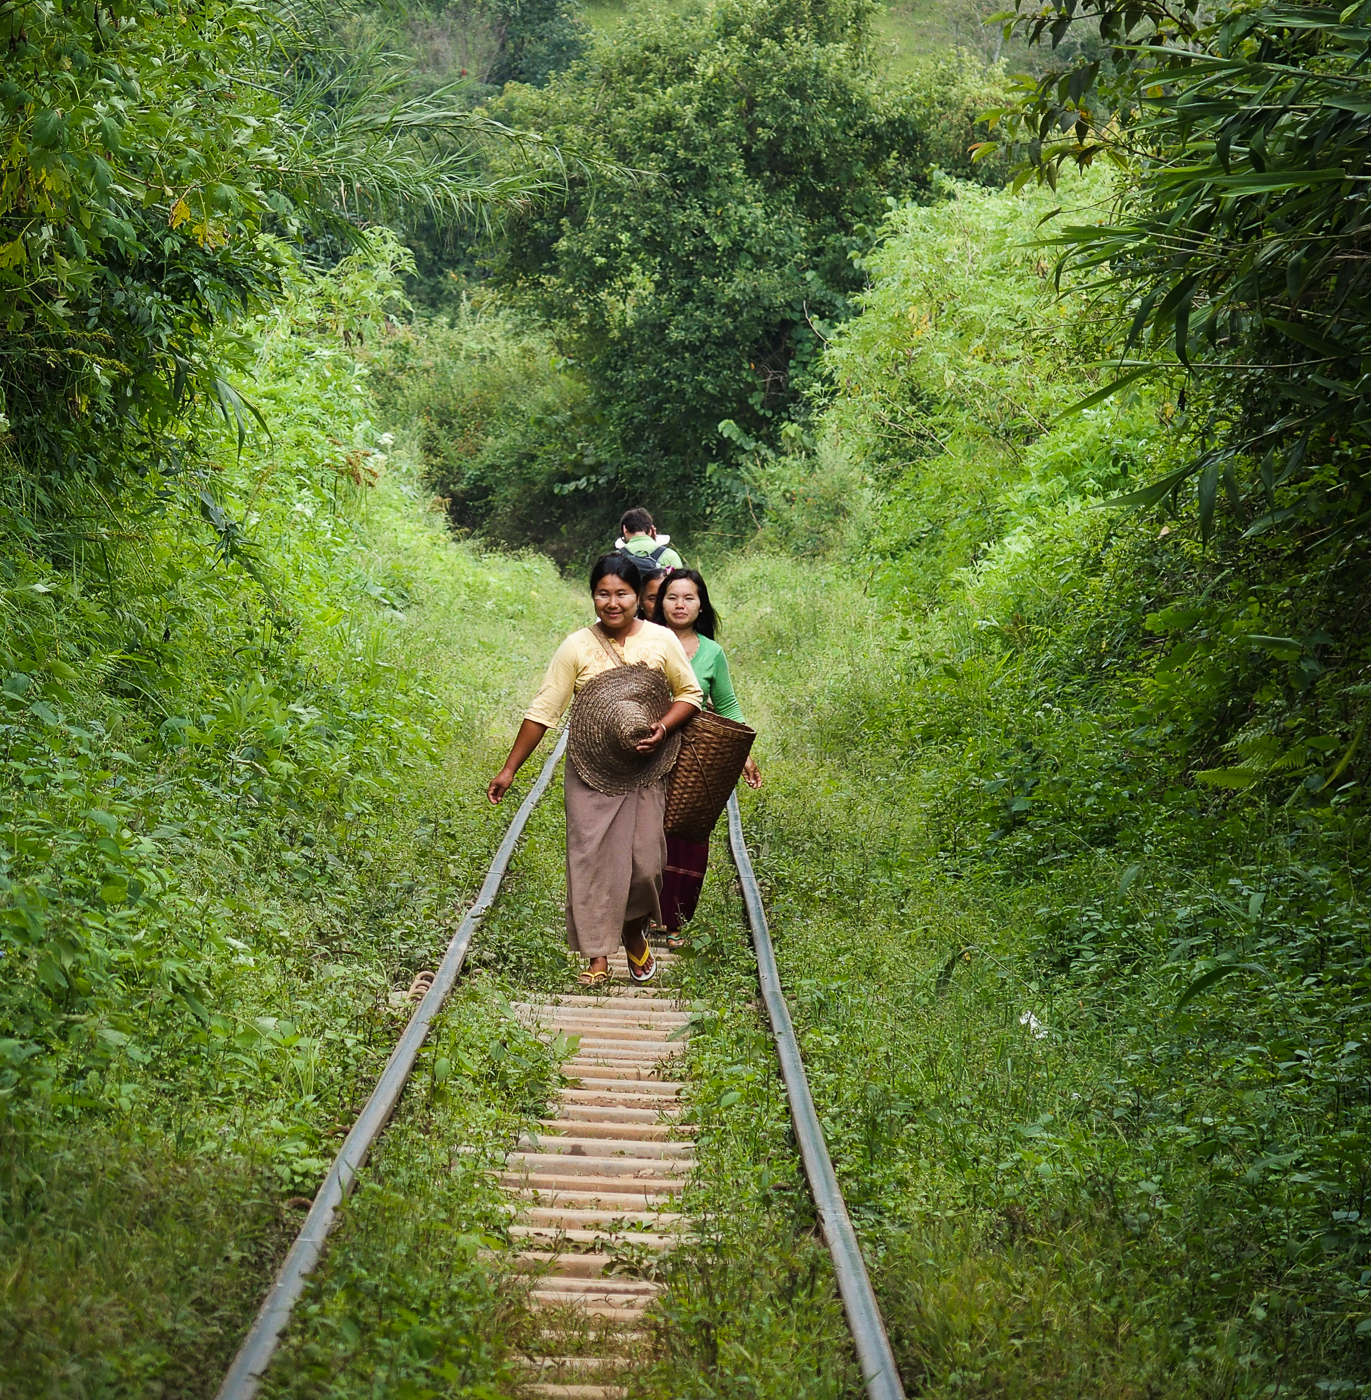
[1034, 1025]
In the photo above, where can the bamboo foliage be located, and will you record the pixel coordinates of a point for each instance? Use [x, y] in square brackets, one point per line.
[1238, 240]
[156, 162]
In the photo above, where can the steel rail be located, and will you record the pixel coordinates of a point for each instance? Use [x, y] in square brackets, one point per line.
[244, 1377]
[874, 1355]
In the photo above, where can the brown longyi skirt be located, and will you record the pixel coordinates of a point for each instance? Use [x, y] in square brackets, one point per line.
[615, 851]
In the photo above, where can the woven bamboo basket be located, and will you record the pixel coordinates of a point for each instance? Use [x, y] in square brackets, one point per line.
[713, 751]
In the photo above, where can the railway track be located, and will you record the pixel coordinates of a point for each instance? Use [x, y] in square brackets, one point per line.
[605, 1169]
[601, 1174]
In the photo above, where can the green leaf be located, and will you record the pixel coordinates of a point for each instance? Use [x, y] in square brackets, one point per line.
[1204, 981]
[1150, 495]
[233, 406]
[1183, 328]
[1347, 756]
[197, 1007]
[1208, 494]
[48, 130]
[1333, 349]
[1236, 779]
[1110, 390]
[1273, 182]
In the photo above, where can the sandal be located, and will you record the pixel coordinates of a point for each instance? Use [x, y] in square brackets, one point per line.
[592, 979]
[647, 961]
[675, 939]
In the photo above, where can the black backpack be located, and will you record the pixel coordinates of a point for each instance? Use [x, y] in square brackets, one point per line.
[644, 563]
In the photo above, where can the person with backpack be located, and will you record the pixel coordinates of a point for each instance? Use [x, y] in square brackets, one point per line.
[641, 542]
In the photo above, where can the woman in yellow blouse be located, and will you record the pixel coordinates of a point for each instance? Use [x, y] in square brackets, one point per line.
[615, 848]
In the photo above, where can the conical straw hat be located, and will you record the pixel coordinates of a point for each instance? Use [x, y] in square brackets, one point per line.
[612, 712]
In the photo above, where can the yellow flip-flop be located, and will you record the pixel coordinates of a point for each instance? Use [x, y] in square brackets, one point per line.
[635, 963]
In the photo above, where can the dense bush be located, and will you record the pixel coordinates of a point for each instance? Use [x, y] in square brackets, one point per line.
[502, 421]
[1227, 244]
[700, 289]
[238, 807]
[137, 684]
[131, 225]
[1069, 858]
[538, 39]
[155, 157]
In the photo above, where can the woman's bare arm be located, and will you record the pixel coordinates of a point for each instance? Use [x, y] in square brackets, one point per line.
[528, 738]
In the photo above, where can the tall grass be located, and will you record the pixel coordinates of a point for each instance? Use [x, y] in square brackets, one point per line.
[241, 812]
[1083, 1033]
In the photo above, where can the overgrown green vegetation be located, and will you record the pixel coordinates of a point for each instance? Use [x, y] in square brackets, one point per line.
[699, 289]
[156, 156]
[1230, 244]
[1043, 582]
[1082, 981]
[240, 810]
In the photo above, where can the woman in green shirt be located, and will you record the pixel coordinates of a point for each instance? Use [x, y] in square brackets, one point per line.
[683, 605]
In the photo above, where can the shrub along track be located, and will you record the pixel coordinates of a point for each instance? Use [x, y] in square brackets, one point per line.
[592, 1192]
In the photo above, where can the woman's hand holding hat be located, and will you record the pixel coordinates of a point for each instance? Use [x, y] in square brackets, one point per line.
[649, 742]
[680, 713]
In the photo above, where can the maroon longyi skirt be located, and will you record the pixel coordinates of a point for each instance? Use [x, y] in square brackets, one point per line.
[682, 880]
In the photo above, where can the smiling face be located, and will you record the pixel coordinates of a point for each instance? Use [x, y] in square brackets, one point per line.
[681, 605]
[616, 604]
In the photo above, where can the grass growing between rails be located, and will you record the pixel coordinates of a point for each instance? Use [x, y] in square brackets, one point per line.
[751, 1310]
[1080, 984]
[403, 1301]
[240, 809]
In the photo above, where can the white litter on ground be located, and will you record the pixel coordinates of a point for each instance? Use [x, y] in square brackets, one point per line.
[1036, 1026]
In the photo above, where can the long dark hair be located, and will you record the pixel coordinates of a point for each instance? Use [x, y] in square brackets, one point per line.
[617, 566]
[707, 624]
